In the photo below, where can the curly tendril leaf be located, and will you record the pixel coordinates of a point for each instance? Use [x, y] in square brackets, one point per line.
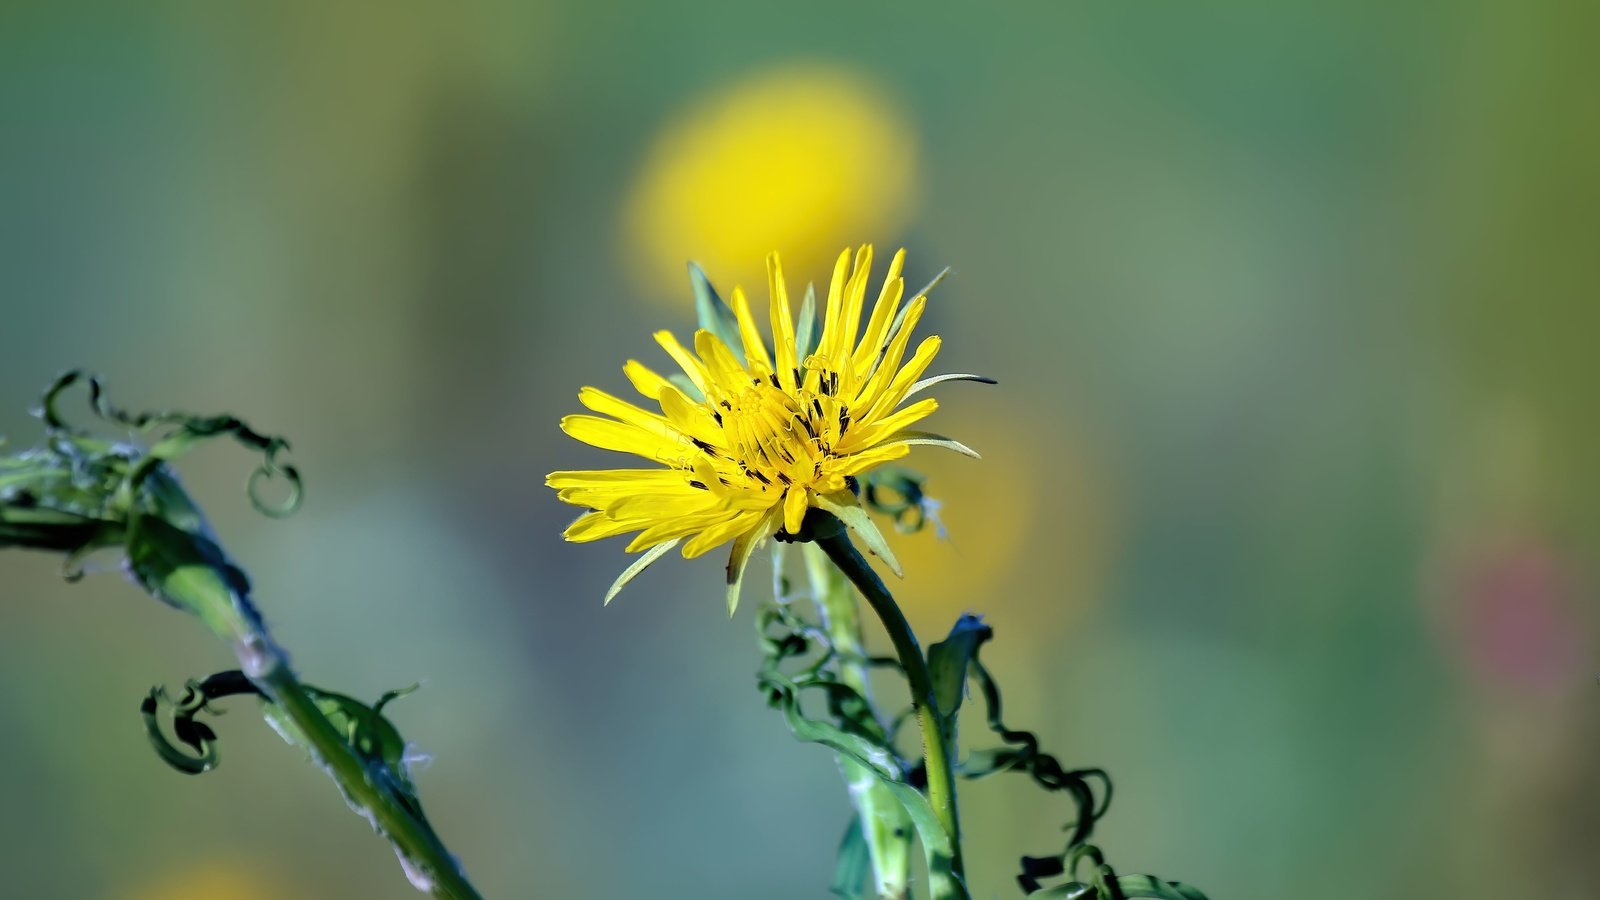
[196, 735]
[1103, 881]
[187, 430]
[1021, 753]
[372, 736]
[75, 493]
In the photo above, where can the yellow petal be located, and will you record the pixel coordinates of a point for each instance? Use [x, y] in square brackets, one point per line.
[794, 508]
[865, 460]
[685, 360]
[782, 324]
[660, 506]
[832, 343]
[721, 533]
[595, 526]
[724, 368]
[855, 294]
[883, 312]
[692, 418]
[608, 434]
[873, 433]
[645, 380]
[755, 349]
[888, 362]
[605, 404]
[625, 479]
[676, 528]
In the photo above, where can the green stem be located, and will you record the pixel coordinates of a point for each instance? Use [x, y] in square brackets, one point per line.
[938, 754]
[169, 567]
[428, 863]
[885, 826]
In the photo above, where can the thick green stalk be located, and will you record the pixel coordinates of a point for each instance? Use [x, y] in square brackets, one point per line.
[427, 862]
[938, 754]
[202, 587]
[884, 823]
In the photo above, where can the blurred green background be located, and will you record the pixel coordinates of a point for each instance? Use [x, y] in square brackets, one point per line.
[1286, 515]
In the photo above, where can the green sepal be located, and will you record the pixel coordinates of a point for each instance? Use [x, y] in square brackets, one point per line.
[712, 311]
[689, 388]
[808, 333]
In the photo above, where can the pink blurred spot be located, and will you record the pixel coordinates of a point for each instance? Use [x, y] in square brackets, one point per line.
[1520, 627]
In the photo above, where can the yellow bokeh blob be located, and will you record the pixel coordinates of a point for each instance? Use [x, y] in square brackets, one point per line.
[1030, 535]
[803, 159]
[208, 881]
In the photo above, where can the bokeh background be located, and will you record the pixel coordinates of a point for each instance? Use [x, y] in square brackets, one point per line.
[1287, 513]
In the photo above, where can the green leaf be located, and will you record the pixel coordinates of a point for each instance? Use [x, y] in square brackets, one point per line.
[853, 870]
[947, 664]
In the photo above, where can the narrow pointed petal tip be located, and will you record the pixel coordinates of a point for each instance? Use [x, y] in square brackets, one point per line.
[639, 565]
[926, 383]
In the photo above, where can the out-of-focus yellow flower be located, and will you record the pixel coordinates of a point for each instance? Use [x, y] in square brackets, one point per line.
[790, 157]
[212, 880]
[755, 440]
[1021, 547]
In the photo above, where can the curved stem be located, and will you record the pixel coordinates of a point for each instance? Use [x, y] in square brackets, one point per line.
[938, 754]
[428, 863]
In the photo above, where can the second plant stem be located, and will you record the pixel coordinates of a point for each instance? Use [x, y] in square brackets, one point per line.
[938, 755]
[429, 865]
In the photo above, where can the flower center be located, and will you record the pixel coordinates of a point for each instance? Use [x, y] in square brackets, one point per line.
[778, 439]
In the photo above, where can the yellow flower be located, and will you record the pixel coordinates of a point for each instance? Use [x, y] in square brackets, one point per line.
[769, 436]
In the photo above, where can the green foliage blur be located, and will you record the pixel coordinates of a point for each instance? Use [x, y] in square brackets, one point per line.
[1286, 515]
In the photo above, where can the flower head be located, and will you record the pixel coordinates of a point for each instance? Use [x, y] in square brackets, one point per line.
[749, 441]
